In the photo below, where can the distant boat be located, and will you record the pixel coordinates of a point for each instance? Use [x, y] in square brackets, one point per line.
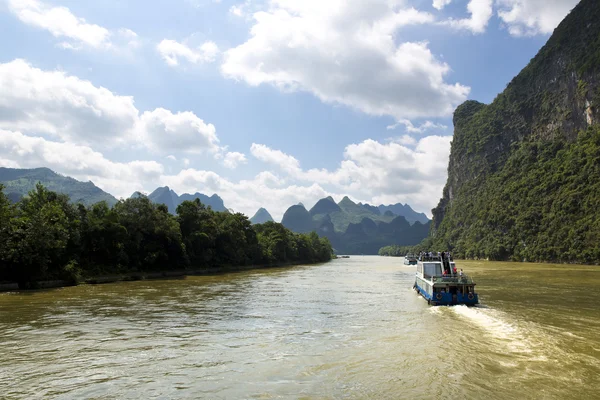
[343, 257]
[410, 259]
[437, 283]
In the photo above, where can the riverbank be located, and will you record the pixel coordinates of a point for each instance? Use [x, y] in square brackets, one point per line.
[140, 276]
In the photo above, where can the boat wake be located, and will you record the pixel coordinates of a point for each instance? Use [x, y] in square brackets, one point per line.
[497, 325]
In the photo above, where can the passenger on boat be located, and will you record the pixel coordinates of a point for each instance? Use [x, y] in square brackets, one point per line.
[461, 272]
[454, 270]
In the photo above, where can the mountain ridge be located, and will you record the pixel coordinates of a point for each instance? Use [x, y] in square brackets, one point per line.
[19, 182]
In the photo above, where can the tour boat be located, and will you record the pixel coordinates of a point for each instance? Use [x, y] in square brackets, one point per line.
[437, 282]
[410, 259]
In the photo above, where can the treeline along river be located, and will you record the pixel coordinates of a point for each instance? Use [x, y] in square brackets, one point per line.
[351, 328]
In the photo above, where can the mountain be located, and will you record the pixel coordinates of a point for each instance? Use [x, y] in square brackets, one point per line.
[297, 219]
[261, 217]
[214, 201]
[370, 208]
[19, 182]
[164, 195]
[354, 228]
[524, 171]
[406, 211]
[324, 206]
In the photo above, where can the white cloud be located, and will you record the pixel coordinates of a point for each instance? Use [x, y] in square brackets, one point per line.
[164, 131]
[345, 52]
[172, 157]
[80, 162]
[233, 159]
[247, 196]
[406, 140]
[532, 17]
[66, 107]
[410, 127]
[370, 172]
[481, 11]
[440, 4]
[172, 51]
[237, 10]
[276, 157]
[378, 172]
[62, 23]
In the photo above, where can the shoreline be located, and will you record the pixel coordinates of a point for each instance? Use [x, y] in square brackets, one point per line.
[141, 276]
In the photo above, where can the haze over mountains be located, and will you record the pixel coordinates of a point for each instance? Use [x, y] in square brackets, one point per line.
[351, 227]
[171, 199]
[355, 228]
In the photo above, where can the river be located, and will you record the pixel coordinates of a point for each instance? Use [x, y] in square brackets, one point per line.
[349, 329]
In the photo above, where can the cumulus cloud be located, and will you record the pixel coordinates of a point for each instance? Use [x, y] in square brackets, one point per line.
[481, 11]
[164, 131]
[247, 196]
[376, 171]
[370, 172]
[532, 17]
[172, 51]
[276, 157]
[80, 162]
[71, 109]
[51, 102]
[63, 24]
[346, 53]
[231, 160]
[440, 4]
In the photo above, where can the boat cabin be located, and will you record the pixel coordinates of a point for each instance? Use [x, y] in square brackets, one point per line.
[438, 282]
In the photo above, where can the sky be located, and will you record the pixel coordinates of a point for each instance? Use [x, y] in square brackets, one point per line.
[266, 103]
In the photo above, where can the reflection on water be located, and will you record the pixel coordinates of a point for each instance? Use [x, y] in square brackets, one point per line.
[352, 328]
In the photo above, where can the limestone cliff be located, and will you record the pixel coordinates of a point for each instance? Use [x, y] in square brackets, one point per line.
[537, 120]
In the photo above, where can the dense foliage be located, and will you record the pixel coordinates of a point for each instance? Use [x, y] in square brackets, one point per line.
[45, 236]
[523, 172]
[543, 205]
[395, 251]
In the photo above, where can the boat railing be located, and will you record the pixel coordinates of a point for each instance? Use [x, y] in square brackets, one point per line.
[452, 279]
[433, 258]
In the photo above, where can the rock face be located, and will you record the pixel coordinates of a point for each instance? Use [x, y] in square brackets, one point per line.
[261, 217]
[19, 182]
[495, 176]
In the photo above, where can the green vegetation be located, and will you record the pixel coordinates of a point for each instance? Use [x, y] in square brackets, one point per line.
[19, 182]
[44, 236]
[395, 251]
[542, 206]
[523, 176]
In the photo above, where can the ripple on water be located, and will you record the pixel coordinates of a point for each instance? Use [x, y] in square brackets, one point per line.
[348, 329]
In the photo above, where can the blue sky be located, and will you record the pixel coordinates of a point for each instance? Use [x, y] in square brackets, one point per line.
[266, 103]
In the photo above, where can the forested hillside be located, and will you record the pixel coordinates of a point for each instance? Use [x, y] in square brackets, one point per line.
[524, 171]
[18, 182]
[45, 236]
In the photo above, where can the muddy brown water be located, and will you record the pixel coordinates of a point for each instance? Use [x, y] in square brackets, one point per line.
[349, 329]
